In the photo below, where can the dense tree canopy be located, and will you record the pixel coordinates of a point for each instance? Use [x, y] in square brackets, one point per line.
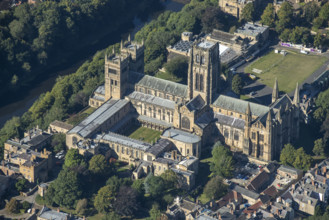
[237, 84]
[74, 159]
[222, 163]
[104, 199]
[215, 188]
[287, 155]
[248, 12]
[268, 16]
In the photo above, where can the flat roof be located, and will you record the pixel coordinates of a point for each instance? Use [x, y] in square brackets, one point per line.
[181, 136]
[206, 44]
[89, 125]
[251, 29]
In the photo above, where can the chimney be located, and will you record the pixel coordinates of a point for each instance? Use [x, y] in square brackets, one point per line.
[58, 210]
[316, 172]
[324, 180]
[277, 211]
[211, 204]
[324, 170]
[312, 182]
[219, 216]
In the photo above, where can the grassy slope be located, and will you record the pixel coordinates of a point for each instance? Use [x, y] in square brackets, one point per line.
[289, 70]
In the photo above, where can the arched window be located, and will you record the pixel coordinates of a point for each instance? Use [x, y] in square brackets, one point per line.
[201, 83]
[203, 60]
[197, 58]
[186, 122]
[196, 81]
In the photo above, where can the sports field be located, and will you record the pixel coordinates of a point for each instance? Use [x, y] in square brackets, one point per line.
[289, 69]
[143, 134]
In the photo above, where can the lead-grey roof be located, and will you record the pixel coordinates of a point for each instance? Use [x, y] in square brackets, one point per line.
[206, 44]
[196, 103]
[288, 169]
[126, 141]
[228, 120]
[204, 120]
[245, 192]
[162, 85]
[181, 136]
[153, 120]
[159, 147]
[51, 214]
[252, 29]
[183, 46]
[153, 100]
[90, 125]
[100, 90]
[238, 105]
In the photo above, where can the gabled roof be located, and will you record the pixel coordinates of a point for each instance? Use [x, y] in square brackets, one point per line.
[196, 103]
[239, 105]
[259, 181]
[151, 99]
[158, 84]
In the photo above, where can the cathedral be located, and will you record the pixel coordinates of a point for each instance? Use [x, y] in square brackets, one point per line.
[190, 116]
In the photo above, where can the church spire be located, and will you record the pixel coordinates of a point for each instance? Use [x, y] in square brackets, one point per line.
[129, 38]
[269, 119]
[296, 96]
[275, 93]
[121, 45]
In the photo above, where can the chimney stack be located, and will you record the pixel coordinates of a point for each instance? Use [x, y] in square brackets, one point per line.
[235, 195]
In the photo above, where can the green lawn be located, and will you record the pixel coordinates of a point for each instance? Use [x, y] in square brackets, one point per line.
[168, 76]
[289, 69]
[143, 134]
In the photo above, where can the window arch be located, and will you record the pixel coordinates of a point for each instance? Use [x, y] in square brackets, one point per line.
[197, 81]
[201, 83]
[203, 60]
[186, 122]
[197, 58]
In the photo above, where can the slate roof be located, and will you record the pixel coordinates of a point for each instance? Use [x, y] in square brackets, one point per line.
[183, 46]
[271, 191]
[259, 181]
[126, 141]
[100, 90]
[239, 105]
[245, 192]
[228, 120]
[162, 85]
[160, 146]
[90, 124]
[288, 169]
[39, 139]
[204, 120]
[47, 213]
[151, 99]
[282, 102]
[181, 136]
[196, 103]
[61, 124]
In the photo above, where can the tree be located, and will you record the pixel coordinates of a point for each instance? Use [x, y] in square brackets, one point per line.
[126, 203]
[303, 161]
[170, 178]
[268, 16]
[318, 148]
[237, 84]
[12, 206]
[154, 185]
[285, 15]
[213, 18]
[81, 206]
[138, 185]
[318, 40]
[66, 188]
[285, 35]
[155, 212]
[21, 185]
[177, 66]
[215, 188]
[324, 13]
[58, 142]
[111, 216]
[104, 199]
[248, 11]
[317, 23]
[114, 182]
[311, 11]
[221, 161]
[98, 165]
[287, 156]
[73, 159]
[26, 205]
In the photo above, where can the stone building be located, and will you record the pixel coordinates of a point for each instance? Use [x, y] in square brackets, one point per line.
[235, 7]
[190, 116]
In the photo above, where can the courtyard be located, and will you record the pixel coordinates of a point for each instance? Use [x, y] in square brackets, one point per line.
[289, 69]
[142, 133]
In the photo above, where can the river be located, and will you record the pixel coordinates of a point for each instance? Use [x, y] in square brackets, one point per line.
[18, 107]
